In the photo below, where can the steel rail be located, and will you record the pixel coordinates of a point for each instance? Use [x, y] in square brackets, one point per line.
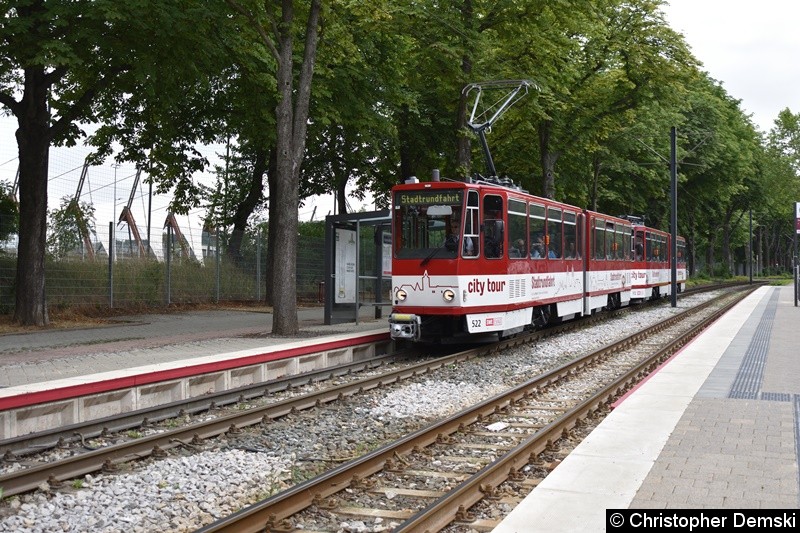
[58, 437]
[445, 510]
[271, 514]
[108, 458]
[32, 443]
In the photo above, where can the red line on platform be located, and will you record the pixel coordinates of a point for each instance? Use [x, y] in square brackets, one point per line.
[108, 385]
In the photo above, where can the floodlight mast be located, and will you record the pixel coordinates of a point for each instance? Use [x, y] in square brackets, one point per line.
[480, 121]
[126, 215]
[74, 208]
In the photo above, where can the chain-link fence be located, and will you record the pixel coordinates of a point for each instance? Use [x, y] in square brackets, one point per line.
[157, 257]
[145, 282]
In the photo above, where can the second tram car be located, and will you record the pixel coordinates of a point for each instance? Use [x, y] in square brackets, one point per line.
[482, 260]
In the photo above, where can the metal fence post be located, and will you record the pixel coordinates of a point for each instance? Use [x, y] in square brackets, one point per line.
[216, 260]
[111, 265]
[258, 266]
[169, 262]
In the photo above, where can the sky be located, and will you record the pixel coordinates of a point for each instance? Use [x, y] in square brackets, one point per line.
[751, 48]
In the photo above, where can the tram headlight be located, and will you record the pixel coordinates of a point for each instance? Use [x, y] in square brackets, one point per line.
[448, 295]
[401, 295]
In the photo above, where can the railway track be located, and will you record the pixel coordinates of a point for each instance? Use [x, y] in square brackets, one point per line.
[86, 454]
[467, 457]
[60, 437]
[112, 457]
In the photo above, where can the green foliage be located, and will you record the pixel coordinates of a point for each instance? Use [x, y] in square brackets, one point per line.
[721, 271]
[312, 230]
[785, 138]
[9, 212]
[71, 227]
[161, 77]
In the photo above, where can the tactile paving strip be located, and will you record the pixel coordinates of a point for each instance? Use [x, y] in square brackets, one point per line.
[751, 372]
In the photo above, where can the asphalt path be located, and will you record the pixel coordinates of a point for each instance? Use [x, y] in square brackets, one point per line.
[150, 339]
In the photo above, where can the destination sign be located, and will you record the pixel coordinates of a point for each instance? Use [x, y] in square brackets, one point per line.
[429, 198]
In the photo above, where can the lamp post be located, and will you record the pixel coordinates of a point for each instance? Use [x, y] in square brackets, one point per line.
[673, 196]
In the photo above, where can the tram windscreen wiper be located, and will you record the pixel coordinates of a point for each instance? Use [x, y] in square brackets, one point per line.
[430, 255]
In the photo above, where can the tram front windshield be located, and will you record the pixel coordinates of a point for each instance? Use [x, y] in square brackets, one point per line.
[427, 224]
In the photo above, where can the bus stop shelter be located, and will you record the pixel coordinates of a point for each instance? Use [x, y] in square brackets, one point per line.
[358, 265]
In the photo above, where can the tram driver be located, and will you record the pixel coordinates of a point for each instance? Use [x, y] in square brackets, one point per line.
[455, 228]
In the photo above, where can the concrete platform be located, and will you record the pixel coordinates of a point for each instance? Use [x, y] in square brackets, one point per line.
[716, 428]
[62, 377]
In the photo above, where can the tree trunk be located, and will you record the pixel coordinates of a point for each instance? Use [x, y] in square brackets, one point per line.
[284, 202]
[33, 140]
[463, 139]
[463, 144]
[712, 238]
[727, 257]
[760, 251]
[548, 160]
[406, 166]
[691, 251]
[247, 206]
[291, 117]
[341, 196]
[339, 172]
[269, 290]
[596, 167]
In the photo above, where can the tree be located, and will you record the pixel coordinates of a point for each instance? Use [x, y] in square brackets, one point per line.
[785, 137]
[352, 138]
[597, 63]
[69, 224]
[72, 62]
[239, 192]
[275, 30]
[9, 212]
[780, 183]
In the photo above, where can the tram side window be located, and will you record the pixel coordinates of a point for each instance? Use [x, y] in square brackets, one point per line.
[570, 236]
[626, 242]
[599, 240]
[681, 251]
[554, 231]
[517, 229]
[493, 227]
[662, 248]
[472, 224]
[536, 230]
[651, 245]
[610, 244]
[638, 247]
[619, 242]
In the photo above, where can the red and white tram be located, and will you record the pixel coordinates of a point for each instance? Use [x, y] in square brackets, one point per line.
[608, 264]
[680, 264]
[474, 260]
[651, 271]
[480, 260]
